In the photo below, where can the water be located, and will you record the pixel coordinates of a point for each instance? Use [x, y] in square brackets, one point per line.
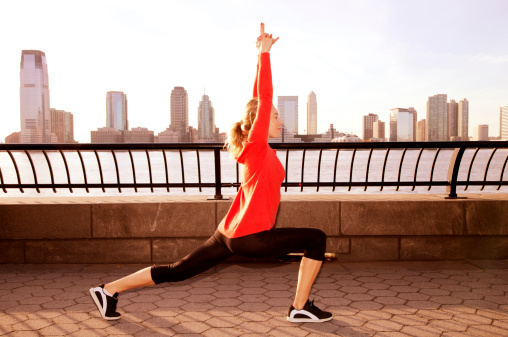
[229, 170]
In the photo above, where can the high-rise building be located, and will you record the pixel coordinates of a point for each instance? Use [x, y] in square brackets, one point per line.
[180, 112]
[378, 130]
[453, 118]
[481, 132]
[288, 112]
[437, 118]
[138, 135]
[420, 131]
[415, 120]
[403, 125]
[311, 114]
[463, 120]
[116, 111]
[34, 98]
[368, 121]
[503, 122]
[62, 125]
[206, 119]
[106, 135]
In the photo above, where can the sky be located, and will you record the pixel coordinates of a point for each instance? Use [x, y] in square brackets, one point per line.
[359, 57]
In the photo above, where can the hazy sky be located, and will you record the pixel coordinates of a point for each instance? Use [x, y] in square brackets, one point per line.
[359, 57]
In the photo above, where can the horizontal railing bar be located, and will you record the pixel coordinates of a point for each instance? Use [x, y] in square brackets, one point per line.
[392, 183]
[211, 146]
[112, 185]
[289, 184]
[505, 182]
[362, 184]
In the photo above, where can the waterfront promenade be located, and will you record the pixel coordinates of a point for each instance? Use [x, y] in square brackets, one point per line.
[413, 298]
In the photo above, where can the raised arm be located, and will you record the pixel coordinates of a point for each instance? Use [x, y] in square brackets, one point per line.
[259, 129]
[258, 46]
[255, 90]
[263, 90]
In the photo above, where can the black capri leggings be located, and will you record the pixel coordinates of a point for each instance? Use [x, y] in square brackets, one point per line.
[272, 243]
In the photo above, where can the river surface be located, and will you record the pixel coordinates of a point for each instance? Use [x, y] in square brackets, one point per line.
[228, 168]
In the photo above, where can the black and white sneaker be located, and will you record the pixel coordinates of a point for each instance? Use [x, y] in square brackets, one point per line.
[309, 313]
[105, 303]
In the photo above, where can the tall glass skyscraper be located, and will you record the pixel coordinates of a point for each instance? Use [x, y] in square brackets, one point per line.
[206, 118]
[437, 118]
[311, 114]
[116, 111]
[34, 98]
[288, 112]
[402, 125]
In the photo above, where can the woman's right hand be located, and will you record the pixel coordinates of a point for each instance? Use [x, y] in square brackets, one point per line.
[265, 41]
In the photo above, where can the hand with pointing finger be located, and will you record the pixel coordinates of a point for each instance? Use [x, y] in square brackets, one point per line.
[265, 41]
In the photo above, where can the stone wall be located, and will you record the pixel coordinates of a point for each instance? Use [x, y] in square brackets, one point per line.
[373, 228]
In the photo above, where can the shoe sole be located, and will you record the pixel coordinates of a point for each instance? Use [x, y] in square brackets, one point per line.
[308, 320]
[98, 304]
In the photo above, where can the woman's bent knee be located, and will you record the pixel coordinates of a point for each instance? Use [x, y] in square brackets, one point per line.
[318, 236]
[317, 248]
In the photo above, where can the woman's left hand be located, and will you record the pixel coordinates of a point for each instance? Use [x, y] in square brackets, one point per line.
[261, 37]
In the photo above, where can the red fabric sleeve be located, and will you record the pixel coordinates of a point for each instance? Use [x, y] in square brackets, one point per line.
[259, 130]
[255, 89]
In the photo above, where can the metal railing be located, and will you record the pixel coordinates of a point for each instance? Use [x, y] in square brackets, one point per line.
[28, 151]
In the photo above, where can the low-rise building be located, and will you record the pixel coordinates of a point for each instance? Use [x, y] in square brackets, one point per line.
[138, 135]
[13, 138]
[106, 135]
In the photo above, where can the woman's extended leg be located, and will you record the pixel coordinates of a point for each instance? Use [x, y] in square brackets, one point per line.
[202, 258]
[141, 278]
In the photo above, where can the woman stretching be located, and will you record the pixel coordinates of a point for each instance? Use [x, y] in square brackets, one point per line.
[247, 229]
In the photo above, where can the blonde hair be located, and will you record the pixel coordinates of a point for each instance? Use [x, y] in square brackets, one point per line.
[237, 135]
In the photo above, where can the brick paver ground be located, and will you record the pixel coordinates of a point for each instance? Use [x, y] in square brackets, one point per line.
[447, 298]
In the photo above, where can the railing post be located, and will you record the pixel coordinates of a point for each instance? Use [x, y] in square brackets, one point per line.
[218, 179]
[453, 172]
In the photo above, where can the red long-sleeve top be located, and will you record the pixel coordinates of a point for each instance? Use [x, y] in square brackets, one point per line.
[255, 206]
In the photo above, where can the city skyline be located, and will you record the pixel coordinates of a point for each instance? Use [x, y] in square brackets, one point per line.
[430, 55]
[445, 120]
[451, 124]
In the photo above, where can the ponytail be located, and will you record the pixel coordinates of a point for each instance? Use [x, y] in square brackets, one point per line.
[237, 135]
[234, 143]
